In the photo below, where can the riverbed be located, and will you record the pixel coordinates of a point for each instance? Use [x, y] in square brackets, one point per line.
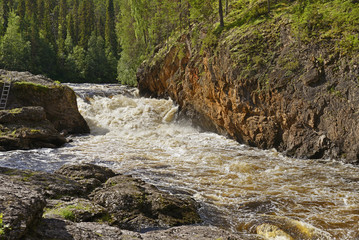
[236, 185]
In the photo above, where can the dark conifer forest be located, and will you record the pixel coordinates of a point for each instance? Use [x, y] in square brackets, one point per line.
[89, 40]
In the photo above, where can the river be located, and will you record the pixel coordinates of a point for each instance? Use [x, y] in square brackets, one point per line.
[236, 185]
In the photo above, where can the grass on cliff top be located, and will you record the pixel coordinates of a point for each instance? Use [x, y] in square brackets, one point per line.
[310, 21]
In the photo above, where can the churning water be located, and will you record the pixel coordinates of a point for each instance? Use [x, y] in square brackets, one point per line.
[237, 186]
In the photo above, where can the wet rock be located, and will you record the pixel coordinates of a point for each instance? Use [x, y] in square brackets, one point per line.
[53, 185]
[26, 128]
[138, 206]
[21, 207]
[191, 233]
[90, 175]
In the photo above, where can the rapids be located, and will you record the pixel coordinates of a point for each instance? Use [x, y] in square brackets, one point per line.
[236, 185]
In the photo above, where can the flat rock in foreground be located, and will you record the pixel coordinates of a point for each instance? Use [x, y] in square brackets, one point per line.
[38, 205]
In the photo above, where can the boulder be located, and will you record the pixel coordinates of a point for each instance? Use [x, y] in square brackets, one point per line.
[21, 208]
[138, 206]
[58, 101]
[39, 113]
[90, 175]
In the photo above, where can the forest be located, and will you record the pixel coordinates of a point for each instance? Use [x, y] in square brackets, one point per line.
[90, 40]
[106, 40]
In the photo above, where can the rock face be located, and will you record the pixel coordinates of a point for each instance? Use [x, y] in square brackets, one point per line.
[263, 87]
[37, 205]
[26, 128]
[41, 112]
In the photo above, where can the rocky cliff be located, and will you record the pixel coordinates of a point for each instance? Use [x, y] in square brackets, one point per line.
[263, 86]
[39, 113]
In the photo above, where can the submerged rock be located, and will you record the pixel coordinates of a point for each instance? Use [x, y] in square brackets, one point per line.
[41, 112]
[277, 227]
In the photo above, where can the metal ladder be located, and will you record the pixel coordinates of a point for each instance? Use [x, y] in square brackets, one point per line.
[5, 94]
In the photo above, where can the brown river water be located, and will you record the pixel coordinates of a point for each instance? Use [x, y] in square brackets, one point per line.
[237, 186]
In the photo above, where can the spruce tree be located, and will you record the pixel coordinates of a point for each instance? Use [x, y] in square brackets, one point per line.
[5, 14]
[110, 35]
[62, 26]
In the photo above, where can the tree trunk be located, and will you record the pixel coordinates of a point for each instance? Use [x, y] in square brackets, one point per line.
[221, 21]
[227, 7]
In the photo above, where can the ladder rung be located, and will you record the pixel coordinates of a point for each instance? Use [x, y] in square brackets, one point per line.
[4, 95]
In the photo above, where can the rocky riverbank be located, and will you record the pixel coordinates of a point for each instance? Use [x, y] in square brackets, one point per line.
[40, 112]
[264, 86]
[92, 202]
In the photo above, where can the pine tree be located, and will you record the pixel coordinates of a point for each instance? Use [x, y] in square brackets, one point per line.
[86, 25]
[46, 28]
[21, 9]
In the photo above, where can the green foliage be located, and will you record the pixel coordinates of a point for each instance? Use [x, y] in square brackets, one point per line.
[14, 49]
[210, 41]
[332, 19]
[2, 230]
[3, 227]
